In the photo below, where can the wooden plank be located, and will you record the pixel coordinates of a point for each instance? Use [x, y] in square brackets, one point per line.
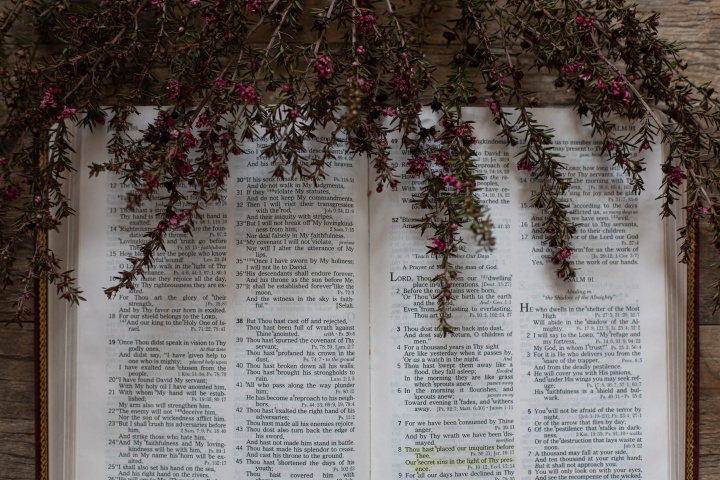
[708, 258]
[17, 407]
[709, 400]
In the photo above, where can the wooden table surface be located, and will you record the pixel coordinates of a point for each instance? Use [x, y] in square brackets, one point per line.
[695, 23]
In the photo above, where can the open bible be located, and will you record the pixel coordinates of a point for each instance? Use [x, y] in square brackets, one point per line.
[293, 335]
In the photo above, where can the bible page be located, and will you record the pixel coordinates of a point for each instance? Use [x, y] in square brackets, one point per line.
[243, 352]
[543, 378]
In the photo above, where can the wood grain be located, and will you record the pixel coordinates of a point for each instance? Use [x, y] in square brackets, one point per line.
[694, 22]
[17, 410]
[709, 401]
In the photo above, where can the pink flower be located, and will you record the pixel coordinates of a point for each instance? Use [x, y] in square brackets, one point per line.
[364, 21]
[177, 219]
[177, 90]
[9, 194]
[247, 93]
[367, 84]
[416, 166]
[599, 84]
[494, 107]
[253, 6]
[583, 23]
[676, 177]
[442, 160]
[525, 164]
[67, 112]
[389, 112]
[183, 166]
[401, 82]
[618, 88]
[190, 140]
[573, 68]
[48, 99]
[438, 243]
[452, 181]
[221, 84]
[563, 254]
[324, 66]
[464, 132]
[204, 120]
[218, 169]
[194, 3]
[360, 50]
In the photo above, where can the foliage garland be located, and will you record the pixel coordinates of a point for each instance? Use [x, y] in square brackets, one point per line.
[226, 71]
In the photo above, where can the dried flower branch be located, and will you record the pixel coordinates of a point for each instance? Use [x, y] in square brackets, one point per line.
[223, 73]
